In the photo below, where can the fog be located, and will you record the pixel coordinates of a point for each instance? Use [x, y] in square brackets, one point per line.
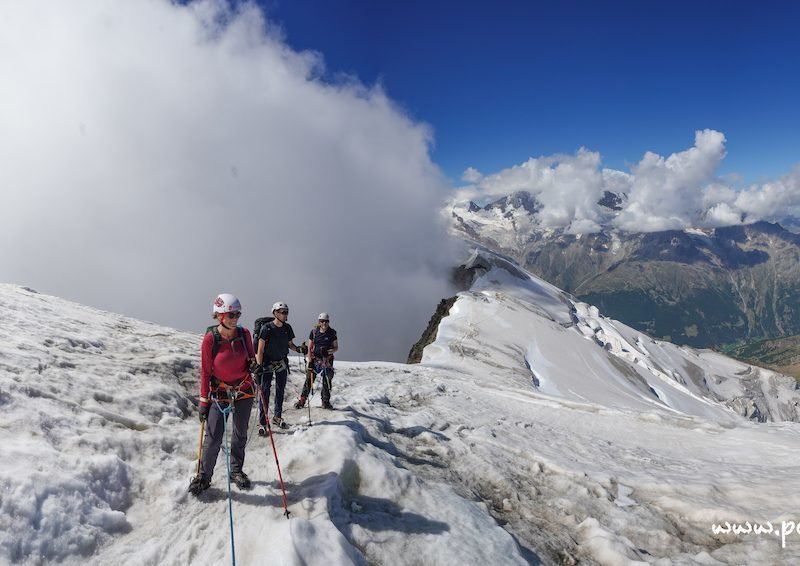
[153, 155]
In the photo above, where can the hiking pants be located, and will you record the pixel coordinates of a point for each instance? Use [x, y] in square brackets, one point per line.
[266, 385]
[325, 376]
[215, 433]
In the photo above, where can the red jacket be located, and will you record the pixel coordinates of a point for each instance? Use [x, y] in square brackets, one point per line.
[230, 365]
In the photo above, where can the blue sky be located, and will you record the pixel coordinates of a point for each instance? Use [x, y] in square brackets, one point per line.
[505, 81]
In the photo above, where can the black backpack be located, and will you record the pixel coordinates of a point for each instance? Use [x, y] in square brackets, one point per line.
[260, 322]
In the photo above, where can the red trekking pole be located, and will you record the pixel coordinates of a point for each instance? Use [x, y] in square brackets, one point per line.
[274, 450]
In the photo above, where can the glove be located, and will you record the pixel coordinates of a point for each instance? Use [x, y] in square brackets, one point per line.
[203, 412]
[253, 366]
[258, 374]
[302, 348]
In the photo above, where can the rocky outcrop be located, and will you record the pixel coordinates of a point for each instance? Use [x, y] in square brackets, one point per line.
[429, 335]
[463, 277]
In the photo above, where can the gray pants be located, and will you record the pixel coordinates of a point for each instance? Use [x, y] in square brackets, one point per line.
[215, 435]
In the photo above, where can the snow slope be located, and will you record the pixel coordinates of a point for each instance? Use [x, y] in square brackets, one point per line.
[519, 325]
[459, 460]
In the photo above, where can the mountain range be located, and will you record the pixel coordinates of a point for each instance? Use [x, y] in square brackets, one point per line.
[722, 287]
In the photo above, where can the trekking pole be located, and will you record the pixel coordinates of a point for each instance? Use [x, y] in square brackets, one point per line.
[224, 413]
[310, 377]
[200, 450]
[325, 381]
[275, 452]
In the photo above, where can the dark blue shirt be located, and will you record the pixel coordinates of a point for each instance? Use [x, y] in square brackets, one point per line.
[322, 340]
[277, 340]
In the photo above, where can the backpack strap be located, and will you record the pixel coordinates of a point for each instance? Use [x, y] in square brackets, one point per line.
[218, 339]
[240, 337]
[313, 339]
[269, 326]
[251, 354]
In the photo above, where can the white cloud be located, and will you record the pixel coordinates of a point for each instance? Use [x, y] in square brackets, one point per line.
[674, 192]
[471, 175]
[154, 155]
[762, 201]
[721, 214]
[568, 186]
[666, 193]
[569, 189]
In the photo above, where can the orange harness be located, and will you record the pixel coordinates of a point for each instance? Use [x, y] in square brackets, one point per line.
[233, 392]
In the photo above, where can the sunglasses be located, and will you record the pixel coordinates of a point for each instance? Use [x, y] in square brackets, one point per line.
[283, 312]
[233, 315]
[323, 322]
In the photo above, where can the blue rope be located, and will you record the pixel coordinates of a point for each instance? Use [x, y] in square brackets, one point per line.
[225, 412]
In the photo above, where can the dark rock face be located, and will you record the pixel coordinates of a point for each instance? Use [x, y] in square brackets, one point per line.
[429, 335]
[611, 201]
[682, 247]
[521, 199]
[463, 277]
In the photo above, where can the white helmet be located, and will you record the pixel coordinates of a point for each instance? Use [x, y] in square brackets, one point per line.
[324, 316]
[225, 302]
[280, 306]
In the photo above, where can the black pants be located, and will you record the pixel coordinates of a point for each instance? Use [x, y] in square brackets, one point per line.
[215, 428]
[266, 385]
[325, 375]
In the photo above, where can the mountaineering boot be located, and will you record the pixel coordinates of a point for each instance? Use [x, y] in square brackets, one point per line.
[240, 479]
[279, 422]
[301, 402]
[198, 484]
[327, 405]
[262, 430]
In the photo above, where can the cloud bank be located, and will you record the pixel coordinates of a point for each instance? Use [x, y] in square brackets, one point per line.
[155, 154]
[677, 192]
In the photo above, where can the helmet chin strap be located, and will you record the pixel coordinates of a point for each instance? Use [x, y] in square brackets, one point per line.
[222, 322]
